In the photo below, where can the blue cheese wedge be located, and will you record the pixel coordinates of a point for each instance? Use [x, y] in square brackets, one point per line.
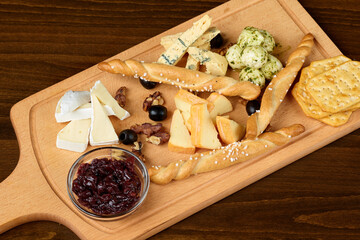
[177, 50]
[82, 112]
[102, 131]
[72, 100]
[202, 41]
[215, 63]
[74, 136]
[105, 97]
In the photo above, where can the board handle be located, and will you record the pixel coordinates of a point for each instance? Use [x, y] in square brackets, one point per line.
[25, 196]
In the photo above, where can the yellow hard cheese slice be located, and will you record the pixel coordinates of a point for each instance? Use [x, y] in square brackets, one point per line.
[105, 97]
[180, 140]
[176, 51]
[229, 130]
[203, 132]
[74, 136]
[102, 131]
[184, 100]
[221, 105]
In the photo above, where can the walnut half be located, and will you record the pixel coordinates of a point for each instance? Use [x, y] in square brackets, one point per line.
[153, 99]
[120, 96]
[159, 138]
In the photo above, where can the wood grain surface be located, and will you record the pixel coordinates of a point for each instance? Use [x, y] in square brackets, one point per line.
[44, 42]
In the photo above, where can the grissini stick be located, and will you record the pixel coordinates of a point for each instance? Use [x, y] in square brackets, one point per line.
[182, 77]
[278, 87]
[226, 156]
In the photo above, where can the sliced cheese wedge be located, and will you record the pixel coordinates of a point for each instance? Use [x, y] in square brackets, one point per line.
[215, 63]
[82, 112]
[74, 136]
[105, 97]
[187, 120]
[229, 130]
[180, 139]
[184, 100]
[102, 131]
[221, 105]
[177, 50]
[202, 42]
[72, 100]
[203, 132]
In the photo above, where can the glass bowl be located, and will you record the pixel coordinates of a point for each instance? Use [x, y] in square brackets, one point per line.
[117, 154]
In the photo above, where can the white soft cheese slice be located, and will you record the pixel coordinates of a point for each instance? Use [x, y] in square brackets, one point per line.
[74, 136]
[82, 112]
[177, 50]
[105, 97]
[102, 131]
[72, 100]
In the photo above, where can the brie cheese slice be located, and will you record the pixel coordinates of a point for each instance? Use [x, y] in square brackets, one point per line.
[102, 131]
[105, 97]
[74, 136]
[72, 100]
[82, 112]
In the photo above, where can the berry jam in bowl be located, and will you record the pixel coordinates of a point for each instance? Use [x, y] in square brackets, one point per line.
[108, 183]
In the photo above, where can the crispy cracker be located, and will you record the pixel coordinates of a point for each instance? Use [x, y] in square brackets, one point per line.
[308, 104]
[336, 119]
[337, 89]
[318, 67]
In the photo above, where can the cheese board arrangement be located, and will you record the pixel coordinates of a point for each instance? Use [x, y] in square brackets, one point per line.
[208, 107]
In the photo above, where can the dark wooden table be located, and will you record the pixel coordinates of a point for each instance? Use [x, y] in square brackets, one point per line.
[43, 42]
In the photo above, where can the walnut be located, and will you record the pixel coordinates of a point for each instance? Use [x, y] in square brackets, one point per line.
[120, 96]
[222, 51]
[153, 99]
[147, 128]
[159, 138]
[136, 149]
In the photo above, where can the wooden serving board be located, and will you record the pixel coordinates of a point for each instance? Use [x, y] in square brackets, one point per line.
[36, 190]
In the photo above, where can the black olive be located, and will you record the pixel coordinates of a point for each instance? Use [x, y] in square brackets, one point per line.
[147, 84]
[252, 106]
[128, 136]
[217, 41]
[157, 113]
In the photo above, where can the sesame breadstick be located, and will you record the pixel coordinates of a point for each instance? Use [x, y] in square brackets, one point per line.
[226, 156]
[278, 87]
[182, 78]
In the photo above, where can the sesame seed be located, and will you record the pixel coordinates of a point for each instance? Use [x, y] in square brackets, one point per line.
[197, 75]
[161, 74]
[216, 162]
[246, 154]
[266, 145]
[270, 88]
[112, 66]
[145, 74]
[123, 75]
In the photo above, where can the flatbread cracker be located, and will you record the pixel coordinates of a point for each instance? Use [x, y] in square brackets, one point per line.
[318, 67]
[337, 89]
[336, 119]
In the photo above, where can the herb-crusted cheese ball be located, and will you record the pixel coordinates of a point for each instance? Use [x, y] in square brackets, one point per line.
[271, 67]
[252, 75]
[250, 36]
[254, 56]
[233, 56]
[269, 42]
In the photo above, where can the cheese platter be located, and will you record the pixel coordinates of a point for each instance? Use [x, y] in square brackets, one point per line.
[48, 166]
